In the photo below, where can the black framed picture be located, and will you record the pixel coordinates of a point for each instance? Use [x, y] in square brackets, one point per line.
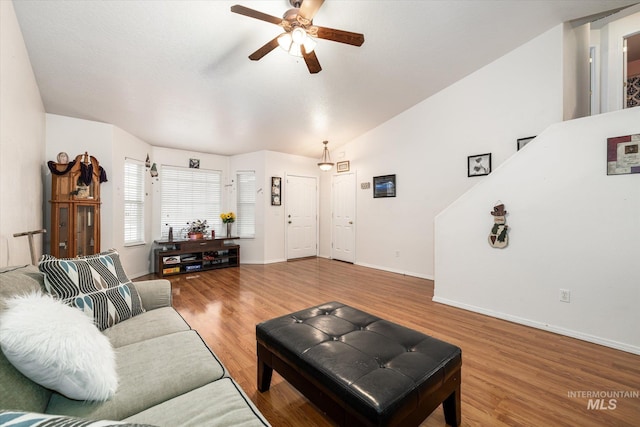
[524, 141]
[276, 191]
[384, 186]
[194, 163]
[479, 165]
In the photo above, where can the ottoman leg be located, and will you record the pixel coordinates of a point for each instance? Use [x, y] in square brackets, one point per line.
[264, 376]
[264, 367]
[451, 406]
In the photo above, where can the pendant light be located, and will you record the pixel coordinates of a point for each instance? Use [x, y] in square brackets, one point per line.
[325, 164]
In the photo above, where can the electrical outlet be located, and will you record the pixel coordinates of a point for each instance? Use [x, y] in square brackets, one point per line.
[565, 295]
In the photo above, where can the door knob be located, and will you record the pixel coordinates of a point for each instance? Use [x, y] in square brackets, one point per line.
[289, 222]
[350, 222]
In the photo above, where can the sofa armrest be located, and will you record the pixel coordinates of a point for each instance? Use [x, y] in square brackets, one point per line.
[154, 293]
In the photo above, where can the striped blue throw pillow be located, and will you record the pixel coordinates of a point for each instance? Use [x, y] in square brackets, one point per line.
[96, 284]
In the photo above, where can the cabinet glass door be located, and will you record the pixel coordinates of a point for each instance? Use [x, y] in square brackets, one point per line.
[85, 230]
[63, 231]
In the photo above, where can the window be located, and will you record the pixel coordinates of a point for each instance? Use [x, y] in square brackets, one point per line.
[133, 202]
[246, 217]
[187, 195]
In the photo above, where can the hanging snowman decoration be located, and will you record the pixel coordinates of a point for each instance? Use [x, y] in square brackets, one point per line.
[498, 237]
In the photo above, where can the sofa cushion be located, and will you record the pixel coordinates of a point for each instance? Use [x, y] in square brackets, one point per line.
[151, 324]
[33, 419]
[23, 393]
[96, 284]
[58, 347]
[218, 404]
[155, 293]
[20, 280]
[150, 373]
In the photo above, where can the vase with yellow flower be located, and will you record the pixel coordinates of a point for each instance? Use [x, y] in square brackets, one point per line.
[228, 218]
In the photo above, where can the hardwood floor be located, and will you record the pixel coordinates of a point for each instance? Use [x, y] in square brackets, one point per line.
[511, 374]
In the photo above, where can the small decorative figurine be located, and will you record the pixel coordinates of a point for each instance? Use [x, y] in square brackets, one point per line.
[498, 237]
[62, 158]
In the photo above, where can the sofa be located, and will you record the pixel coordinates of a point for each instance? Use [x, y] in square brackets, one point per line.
[166, 374]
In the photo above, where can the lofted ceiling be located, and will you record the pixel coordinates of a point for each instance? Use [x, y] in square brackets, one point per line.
[177, 74]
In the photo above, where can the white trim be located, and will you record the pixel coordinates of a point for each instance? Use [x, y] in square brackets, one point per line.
[543, 326]
[355, 212]
[392, 270]
[285, 204]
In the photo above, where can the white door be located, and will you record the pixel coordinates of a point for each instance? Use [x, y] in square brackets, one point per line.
[343, 235]
[302, 216]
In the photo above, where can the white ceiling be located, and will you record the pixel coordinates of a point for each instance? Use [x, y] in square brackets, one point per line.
[176, 73]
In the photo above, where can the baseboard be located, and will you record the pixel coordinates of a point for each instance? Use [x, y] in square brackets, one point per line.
[543, 326]
[391, 270]
[273, 261]
[136, 275]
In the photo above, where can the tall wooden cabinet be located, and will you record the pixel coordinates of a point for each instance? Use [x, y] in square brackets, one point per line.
[75, 207]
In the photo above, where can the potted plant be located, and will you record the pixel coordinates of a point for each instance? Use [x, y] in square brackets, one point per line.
[196, 229]
[228, 218]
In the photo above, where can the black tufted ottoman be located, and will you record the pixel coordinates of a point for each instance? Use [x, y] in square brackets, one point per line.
[360, 369]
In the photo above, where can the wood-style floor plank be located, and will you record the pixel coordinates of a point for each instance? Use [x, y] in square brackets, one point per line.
[511, 374]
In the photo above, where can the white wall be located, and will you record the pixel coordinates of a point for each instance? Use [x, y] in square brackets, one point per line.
[576, 82]
[269, 244]
[75, 136]
[517, 96]
[135, 259]
[282, 165]
[252, 250]
[571, 227]
[22, 136]
[612, 32]
[111, 145]
[171, 157]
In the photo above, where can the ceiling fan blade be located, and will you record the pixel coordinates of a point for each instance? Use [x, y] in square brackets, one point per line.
[255, 14]
[258, 54]
[340, 36]
[311, 60]
[309, 8]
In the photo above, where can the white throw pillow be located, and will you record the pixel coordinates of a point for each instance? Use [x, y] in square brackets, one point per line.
[58, 347]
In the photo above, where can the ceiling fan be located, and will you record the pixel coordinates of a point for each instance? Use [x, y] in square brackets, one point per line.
[300, 33]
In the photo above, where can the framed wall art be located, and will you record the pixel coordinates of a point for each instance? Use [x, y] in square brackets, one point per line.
[194, 163]
[276, 191]
[342, 166]
[524, 141]
[384, 186]
[623, 155]
[479, 165]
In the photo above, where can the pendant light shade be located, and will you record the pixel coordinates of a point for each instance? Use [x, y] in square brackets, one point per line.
[325, 163]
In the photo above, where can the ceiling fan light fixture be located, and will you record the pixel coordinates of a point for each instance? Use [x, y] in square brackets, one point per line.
[284, 41]
[298, 35]
[292, 41]
[295, 50]
[309, 44]
[325, 163]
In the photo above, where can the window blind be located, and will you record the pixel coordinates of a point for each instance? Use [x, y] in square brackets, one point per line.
[189, 195]
[133, 202]
[246, 204]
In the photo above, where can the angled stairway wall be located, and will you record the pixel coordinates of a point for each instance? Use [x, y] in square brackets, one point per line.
[571, 227]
